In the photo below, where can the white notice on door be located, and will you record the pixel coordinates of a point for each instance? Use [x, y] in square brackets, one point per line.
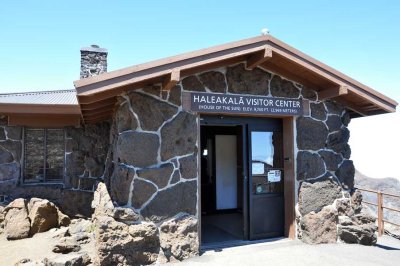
[274, 176]
[257, 168]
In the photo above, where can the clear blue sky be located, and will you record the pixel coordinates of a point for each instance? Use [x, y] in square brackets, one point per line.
[40, 42]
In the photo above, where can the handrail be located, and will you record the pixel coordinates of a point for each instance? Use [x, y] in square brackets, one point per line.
[381, 207]
[386, 221]
[368, 190]
[391, 209]
[370, 203]
[390, 195]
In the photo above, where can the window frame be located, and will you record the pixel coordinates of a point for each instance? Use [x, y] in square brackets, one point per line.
[23, 158]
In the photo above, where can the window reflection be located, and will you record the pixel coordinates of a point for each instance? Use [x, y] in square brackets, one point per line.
[262, 155]
[44, 155]
[262, 149]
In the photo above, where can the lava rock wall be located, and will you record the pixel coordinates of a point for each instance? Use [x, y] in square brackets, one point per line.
[155, 155]
[86, 153]
[155, 145]
[10, 156]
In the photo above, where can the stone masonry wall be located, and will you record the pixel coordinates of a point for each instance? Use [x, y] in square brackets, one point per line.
[155, 145]
[155, 142]
[86, 153]
[155, 150]
[329, 209]
[325, 173]
[155, 156]
[85, 160]
[93, 61]
[10, 156]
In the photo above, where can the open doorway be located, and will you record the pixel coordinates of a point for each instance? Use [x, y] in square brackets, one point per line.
[242, 180]
[222, 184]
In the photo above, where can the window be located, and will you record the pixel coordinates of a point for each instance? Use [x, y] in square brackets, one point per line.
[43, 155]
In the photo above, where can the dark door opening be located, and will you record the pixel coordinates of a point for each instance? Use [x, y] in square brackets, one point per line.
[241, 179]
[221, 184]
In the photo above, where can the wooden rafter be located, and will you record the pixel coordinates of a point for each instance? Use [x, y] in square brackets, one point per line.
[351, 106]
[269, 66]
[332, 93]
[93, 120]
[96, 112]
[171, 80]
[97, 105]
[99, 116]
[259, 58]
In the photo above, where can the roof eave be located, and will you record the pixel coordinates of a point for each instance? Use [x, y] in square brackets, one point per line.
[108, 85]
[23, 108]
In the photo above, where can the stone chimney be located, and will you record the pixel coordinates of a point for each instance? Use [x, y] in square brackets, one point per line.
[93, 61]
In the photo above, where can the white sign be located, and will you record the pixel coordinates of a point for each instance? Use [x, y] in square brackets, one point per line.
[274, 176]
[257, 169]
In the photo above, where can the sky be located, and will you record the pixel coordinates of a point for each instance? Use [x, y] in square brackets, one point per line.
[40, 43]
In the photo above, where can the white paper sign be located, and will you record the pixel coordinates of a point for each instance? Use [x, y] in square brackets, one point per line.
[257, 168]
[274, 176]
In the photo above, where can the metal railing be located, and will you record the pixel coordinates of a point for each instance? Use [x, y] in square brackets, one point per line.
[380, 206]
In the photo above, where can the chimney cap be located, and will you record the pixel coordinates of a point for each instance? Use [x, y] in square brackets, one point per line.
[94, 48]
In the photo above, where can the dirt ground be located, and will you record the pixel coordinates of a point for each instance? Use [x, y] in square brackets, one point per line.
[282, 252]
[36, 248]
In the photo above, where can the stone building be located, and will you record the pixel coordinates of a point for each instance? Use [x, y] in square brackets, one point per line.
[248, 139]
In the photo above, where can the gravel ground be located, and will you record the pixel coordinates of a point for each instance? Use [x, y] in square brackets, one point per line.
[288, 252]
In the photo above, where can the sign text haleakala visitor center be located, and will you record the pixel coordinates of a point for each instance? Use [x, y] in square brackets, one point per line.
[241, 104]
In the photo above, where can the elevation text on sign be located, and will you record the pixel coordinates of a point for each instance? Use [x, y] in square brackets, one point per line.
[240, 104]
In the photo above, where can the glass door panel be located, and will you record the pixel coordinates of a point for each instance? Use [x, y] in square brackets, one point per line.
[266, 182]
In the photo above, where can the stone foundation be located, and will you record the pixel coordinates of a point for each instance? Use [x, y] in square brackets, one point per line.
[123, 238]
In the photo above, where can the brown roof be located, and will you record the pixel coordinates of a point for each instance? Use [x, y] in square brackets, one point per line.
[96, 95]
[41, 108]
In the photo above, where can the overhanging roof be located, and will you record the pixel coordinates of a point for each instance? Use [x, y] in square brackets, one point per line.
[97, 95]
[42, 108]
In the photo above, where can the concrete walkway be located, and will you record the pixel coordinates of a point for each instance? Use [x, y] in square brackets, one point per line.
[288, 252]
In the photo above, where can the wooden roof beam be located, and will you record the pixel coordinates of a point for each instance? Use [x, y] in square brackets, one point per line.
[269, 66]
[258, 58]
[171, 80]
[99, 111]
[332, 93]
[44, 120]
[96, 119]
[97, 105]
[351, 106]
[22, 108]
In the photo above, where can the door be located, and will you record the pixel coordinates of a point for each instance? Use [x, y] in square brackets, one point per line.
[260, 175]
[266, 198]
